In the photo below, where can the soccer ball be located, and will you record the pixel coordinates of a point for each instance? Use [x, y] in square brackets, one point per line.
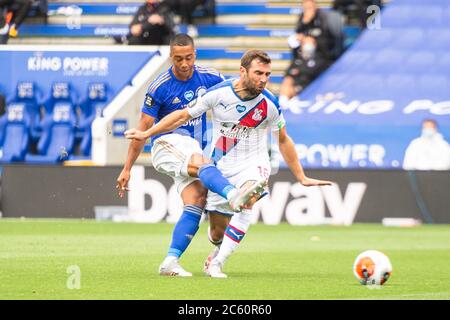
[372, 267]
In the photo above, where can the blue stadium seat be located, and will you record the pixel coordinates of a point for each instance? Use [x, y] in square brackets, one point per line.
[438, 38]
[375, 39]
[434, 86]
[396, 16]
[90, 108]
[335, 81]
[402, 82]
[362, 85]
[428, 15]
[356, 60]
[420, 61]
[28, 95]
[409, 39]
[60, 92]
[443, 62]
[387, 59]
[15, 135]
[58, 136]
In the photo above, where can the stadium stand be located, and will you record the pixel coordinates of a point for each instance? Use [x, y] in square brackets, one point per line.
[58, 135]
[384, 85]
[15, 133]
[236, 27]
[30, 97]
[92, 107]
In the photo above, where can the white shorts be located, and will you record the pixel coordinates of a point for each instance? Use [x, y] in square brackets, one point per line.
[216, 203]
[171, 154]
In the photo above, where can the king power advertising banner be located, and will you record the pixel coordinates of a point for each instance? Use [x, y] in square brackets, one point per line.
[78, 65]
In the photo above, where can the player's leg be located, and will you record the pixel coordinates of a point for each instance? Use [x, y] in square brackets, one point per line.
[216, 230]
[234, 233]
[239, 223]
[213, 179]
[194, 199]
[169, 156]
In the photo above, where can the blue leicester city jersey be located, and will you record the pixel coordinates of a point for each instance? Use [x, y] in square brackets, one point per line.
[167, 94]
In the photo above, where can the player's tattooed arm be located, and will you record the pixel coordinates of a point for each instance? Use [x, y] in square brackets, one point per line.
[167, 124]
[287, 150]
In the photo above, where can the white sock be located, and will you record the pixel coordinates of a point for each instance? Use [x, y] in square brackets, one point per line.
[238, 226]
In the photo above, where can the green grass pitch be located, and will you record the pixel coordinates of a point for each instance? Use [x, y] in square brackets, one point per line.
[120, 261]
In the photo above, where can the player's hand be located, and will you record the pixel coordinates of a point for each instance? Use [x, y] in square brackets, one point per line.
[122, 182]
[135, 134]
[310, 182]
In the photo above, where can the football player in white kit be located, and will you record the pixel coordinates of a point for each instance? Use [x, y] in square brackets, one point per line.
[242, 112]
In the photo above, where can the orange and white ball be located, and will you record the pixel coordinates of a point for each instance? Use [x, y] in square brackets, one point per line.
[372, 267]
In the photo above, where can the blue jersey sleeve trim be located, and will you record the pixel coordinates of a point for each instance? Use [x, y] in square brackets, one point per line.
[272, 98]
[222, 84]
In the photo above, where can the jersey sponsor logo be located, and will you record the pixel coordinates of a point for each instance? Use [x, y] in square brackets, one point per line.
[176, 100]
[148, 101]
[240, 108]
[235, 131]
[189, 95]
[193, 122]
[227, 142]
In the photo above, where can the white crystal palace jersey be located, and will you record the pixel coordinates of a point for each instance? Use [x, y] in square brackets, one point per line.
[240, 127]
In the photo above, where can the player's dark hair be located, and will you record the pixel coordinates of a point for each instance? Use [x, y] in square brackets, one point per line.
[251, 55]
[182, 40]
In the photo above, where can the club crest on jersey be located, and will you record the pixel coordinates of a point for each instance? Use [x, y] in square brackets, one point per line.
[240, 108]
[189, 95]
[257, 115]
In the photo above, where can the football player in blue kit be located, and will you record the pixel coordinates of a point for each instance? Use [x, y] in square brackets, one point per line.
[179, 153]
[243, 114]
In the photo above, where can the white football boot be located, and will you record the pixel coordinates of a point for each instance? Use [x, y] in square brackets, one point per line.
[171, 267]
[215, 270]
[239, 198]
[211, 256]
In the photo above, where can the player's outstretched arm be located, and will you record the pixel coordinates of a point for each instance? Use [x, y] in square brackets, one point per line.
[168, 123]
[134, 150]
[287, 149]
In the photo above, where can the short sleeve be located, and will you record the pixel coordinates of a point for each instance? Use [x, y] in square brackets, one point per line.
[276, 118]
[277, 122]
[151, 105]
[203, 104]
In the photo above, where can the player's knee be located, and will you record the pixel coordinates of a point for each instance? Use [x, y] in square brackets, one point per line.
[196, 162]
[216, 234]
[199, 197]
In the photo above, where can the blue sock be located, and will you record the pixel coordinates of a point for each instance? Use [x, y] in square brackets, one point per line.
[185, 230]
[213, 179]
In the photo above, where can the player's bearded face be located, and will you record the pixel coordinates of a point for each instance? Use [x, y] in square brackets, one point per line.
[256, 77]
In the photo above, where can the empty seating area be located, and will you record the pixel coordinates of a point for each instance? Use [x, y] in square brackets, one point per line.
[50, 127]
